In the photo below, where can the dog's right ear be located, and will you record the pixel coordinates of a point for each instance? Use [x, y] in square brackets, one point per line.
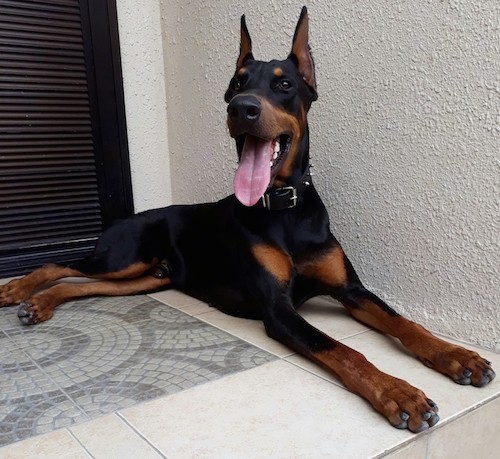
[301, 52]
[245, 45]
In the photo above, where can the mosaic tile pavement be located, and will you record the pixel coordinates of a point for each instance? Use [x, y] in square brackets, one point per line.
[99, 355]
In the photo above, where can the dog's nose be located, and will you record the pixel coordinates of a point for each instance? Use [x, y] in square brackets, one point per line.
[244, 108]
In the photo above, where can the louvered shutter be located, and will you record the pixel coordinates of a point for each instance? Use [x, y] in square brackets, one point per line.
[49, 197]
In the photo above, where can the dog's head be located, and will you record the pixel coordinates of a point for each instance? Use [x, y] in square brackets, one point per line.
[267, 109]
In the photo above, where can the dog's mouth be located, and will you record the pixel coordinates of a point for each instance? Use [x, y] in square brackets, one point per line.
[259, 163]
[280, 150]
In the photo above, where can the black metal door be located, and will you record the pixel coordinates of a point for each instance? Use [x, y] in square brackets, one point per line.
[64, 170]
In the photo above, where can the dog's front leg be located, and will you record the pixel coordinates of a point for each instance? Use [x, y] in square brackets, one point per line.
[402, 404]
[462, 365]
[332, 270]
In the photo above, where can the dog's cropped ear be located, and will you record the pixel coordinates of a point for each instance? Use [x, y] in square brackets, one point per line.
[301, 53]
[245, 45]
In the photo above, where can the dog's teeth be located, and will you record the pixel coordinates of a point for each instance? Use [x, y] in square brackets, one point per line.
[271, 163]
[275, 156]
[276, 147]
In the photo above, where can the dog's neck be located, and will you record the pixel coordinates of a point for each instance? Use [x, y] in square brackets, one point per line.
[286, 195]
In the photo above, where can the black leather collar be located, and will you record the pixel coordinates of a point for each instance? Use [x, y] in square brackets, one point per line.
[285, 197]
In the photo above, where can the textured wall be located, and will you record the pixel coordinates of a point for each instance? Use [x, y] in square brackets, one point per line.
[145, 101]
[405, 137]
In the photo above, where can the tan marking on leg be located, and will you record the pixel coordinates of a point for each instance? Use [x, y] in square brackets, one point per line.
[328, 268]
[42, 306]
[274, 261]
[388, 395]
[450, 359]
[134, 270]
[18, 290]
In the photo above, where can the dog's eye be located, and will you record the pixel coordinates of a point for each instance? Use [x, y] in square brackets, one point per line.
[285, 85]
[236, 86]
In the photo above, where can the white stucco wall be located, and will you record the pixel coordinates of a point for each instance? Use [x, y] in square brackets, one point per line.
[145, 101]
[405, 137]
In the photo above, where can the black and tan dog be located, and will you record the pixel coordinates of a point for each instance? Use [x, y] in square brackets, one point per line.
[262, 252]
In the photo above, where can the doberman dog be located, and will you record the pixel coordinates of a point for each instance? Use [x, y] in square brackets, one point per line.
[263, 251]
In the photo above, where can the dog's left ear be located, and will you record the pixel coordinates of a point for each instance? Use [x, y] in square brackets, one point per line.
[245, 45]
[301, 53]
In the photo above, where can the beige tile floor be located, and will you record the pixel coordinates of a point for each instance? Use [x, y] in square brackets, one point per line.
[287, 408]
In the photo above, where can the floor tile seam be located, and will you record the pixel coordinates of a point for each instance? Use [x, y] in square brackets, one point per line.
[5, 326]
[240, 338]
[26, 344]
[358, 333]
[140, 434]
[281, 356]
[311, 372]
[470, 409]
[457, 417]
[80, 443]
[215, 309]
[198, 315]
[140, 404]
[194, 316]
[186, 305]
[60, 388]
[235, 338]
[17, 443]
[56, 385]
[404, 443]
[6, 336]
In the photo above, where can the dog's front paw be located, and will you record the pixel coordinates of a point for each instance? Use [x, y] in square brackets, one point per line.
[462, 365]
[405, 406]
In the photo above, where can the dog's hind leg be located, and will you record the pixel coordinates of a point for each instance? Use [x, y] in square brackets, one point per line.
[20, 289]
[41, 307]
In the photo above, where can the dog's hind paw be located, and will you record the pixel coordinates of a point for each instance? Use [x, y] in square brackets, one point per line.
[33, 311]
[26, 316]
[12, 293]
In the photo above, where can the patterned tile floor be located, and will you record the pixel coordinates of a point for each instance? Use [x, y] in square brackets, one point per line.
[161, 376]
[104, 354]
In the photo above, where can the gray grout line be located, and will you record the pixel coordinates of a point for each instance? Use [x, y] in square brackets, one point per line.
[140, 434]
[435, 429]
[56, 384]
[317, 375]
[80, 443]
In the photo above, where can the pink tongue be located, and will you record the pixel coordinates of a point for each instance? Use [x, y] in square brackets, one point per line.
[254, 172]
